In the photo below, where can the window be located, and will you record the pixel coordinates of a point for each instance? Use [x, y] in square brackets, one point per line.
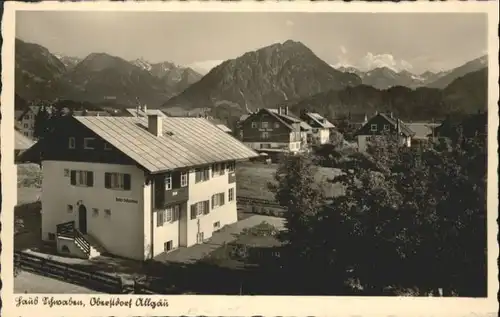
[265, 125]
[202, 174]
[254, 125]
[87, 143]
[66, 172]
[373, 127]
[71, 143]
[184, 179]
[231, 194]
[117, 181]
[52, 236]
[26, 134]
[200, 208]
[107, 213]
[230, 167]
[218, 169]
[167, 246]
[95, 212]
[107, 146]
[217, 200]
[386, 127]
[160, 218]
[69, 208]
[82, 178]
[265, 135]
[216, 225]
[276, 125]
[168, 181]
[169, 211]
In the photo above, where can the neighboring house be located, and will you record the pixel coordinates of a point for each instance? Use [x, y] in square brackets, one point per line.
[27, 120]
[383, 124]
[143, 111]
[422, 130]
[468, 125]
[268, 130]
[136, 187]
[320, 127]
[21, 143]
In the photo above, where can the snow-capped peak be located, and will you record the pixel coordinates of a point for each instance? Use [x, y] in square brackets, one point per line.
[142, 63]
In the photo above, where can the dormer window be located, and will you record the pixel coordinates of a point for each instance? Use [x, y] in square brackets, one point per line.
[71, 143]
[87, 143]
[373, 127]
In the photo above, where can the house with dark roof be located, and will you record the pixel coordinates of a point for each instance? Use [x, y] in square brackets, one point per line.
[135, 187]
[274, 130]
[381, 125]
[320, 127]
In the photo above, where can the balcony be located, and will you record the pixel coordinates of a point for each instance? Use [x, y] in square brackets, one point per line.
[231, 177]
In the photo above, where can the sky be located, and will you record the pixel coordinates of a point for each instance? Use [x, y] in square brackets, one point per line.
[402, 41]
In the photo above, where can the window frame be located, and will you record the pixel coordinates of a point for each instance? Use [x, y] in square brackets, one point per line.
[117, 181]
[72, 143]
[265, 135]
[264, 125]
[168, 181]
[85, 145]
[230, 194]
[254, 125]
[184, 179]
[372, 129]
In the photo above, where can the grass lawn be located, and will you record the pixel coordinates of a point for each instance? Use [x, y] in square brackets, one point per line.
[252, 180]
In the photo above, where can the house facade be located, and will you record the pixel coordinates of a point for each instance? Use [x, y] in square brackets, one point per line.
[381, 125]
[27, 121]
[320, 127]
[136, 187]
[273, 130]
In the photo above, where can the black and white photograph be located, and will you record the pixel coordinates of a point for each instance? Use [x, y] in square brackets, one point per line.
[252, 153]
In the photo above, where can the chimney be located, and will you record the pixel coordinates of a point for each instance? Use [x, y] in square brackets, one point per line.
[155, 124]
[145, 109]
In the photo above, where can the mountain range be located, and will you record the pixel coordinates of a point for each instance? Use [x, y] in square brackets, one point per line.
[96, 78]
[282, 73]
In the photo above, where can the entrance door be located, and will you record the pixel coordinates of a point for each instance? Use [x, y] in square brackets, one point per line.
[82, 219]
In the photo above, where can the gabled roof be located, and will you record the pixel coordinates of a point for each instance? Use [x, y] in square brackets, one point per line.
[141, 113]
[320, 120]
[394, 122]
[186, 142]
[290, 119]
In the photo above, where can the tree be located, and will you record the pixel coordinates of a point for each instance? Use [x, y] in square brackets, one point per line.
[302, 197]
[41, 120]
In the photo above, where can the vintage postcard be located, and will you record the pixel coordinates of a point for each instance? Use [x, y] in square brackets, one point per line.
[249, 159]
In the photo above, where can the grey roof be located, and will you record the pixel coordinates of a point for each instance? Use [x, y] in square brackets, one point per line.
[223, 127]
[21, 142]
[422, 130]
[290, 118]
[320, 120]
[186, 142]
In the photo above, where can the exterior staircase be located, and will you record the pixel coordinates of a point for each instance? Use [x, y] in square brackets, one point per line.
[72, 241]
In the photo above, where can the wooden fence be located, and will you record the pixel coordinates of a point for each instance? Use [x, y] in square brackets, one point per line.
[261, 206]
[85, 277]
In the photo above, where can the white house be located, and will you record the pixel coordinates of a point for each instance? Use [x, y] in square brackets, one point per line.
[26, 121]
[320, 127]
[136, 187]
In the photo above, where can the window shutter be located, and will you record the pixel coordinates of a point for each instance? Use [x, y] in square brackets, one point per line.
[213, 170]
[221, 199]
[73, 177]
[223, 168]
[193, 211]
[207, 206]
[198, 176]
[213, 201]
[107, 180]
[90, 179]
[159, 218]
[126, 181]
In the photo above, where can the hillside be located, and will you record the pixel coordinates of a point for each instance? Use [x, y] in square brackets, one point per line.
[466, 94]
[35, 71]
[450, 76]
[265, 77]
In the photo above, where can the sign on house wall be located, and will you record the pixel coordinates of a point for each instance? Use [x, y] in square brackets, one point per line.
[126, 200]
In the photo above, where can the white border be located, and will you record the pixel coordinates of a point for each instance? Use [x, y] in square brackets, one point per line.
[254, 305]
